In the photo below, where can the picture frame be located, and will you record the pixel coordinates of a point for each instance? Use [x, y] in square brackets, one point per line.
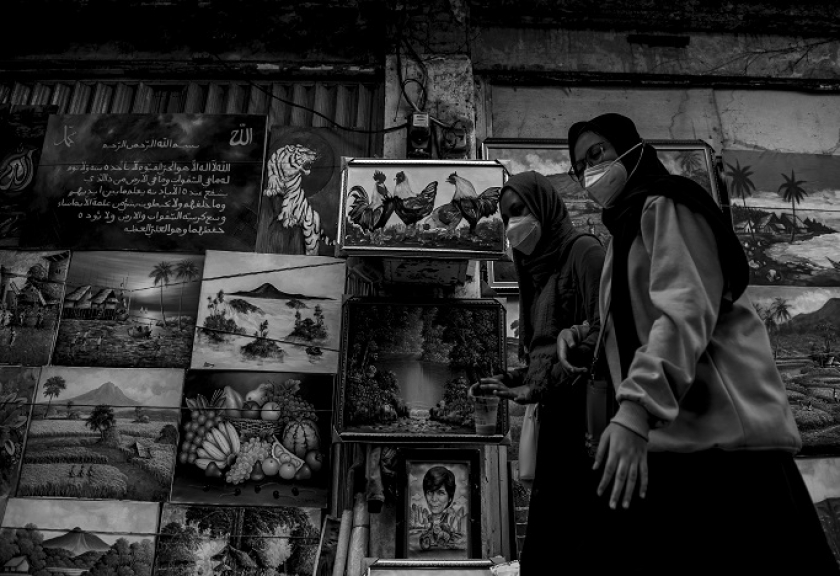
[406, 367]
[380, 567]
[550, 157]
[385, 212]
[439, 510]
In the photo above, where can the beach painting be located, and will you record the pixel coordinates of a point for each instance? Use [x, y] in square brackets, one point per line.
[76, 537]
[103, 433]
[31, 292]
[269, 312]
[803, 326]
[17, 387]
[129, 309]
[786, 210]
[205, 540]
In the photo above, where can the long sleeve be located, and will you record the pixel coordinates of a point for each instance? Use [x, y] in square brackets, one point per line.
[588, 264]
[676, 284]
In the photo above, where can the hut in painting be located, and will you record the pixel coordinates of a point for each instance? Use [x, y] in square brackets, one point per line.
[76, 302]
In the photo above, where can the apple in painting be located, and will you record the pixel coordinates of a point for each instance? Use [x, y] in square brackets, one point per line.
[251, 409]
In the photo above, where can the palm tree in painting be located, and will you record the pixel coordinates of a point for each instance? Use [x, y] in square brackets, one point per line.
[793, 192]
[689, 162]
[780, 311]
[52, 389]
[742, 185]
[161, 274]
[186, 271]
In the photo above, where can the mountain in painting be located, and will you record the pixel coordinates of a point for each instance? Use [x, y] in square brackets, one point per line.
[77, 542]
[109, 393]
[830, 312]
[268, 290]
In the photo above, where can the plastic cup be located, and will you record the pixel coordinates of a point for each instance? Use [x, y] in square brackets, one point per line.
[486, 410]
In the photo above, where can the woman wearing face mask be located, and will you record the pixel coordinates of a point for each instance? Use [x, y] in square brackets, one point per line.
[703, 429]
[559, 270]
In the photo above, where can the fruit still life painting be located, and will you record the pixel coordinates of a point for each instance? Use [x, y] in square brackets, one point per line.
[254, 439]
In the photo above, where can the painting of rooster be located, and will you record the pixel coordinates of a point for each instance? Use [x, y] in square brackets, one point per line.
[405, 211]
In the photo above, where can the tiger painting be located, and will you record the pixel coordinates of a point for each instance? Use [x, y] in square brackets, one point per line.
[286, 168]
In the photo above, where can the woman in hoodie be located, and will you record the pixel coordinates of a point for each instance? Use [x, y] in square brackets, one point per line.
[698, 468]
[559, 270]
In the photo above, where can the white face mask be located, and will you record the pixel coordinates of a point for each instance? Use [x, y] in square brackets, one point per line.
[605, 181]
[523, 233]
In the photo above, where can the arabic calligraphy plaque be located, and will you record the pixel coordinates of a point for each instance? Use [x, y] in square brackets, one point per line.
[175, 182]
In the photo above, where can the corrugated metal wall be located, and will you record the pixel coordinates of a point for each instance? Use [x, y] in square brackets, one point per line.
[356, 105]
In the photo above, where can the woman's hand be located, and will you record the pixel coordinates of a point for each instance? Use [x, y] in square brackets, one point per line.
[567, 340]
[495, 386]
[626, 454]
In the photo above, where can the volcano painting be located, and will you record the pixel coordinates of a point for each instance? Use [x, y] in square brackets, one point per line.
[269, 312]
[803, 325]
[75, 537]
[103, 433]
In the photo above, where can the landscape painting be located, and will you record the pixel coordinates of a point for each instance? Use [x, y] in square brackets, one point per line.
[102, 433]
[269, 312]
[822, 477]
[302, 189]
[804, 329]
[75, 537]
[551, 159]
[31, 291]
[407, 368]
[255, 439]
[205, 540]
[17, 387]
[501, 276]
[423, 208]
[129, 309]
[512, 331]
[786, 210]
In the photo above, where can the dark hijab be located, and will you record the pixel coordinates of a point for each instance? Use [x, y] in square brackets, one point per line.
[623, 220]
[556, 238]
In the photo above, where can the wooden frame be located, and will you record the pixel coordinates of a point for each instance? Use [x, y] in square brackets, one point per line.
[423, 568]
[691, 158]
[399, 359]
[437, 225]
[453, 533]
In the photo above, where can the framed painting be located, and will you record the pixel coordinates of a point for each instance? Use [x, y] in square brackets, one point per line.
[32, 286]
[102, 433]
[501, 276]
[301, 194]
[80, 536]
[822, 478]
[786, 210]
[158, 182]
[803, 325]
[440, 513]
[205, 540]
[692, 159]
[269, 312]
[17, 390]
[422, 208]
[129, 309]
[406, 369]
[255, 439]
[425, 568]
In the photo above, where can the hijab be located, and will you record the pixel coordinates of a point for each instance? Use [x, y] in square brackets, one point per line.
[623, 220]
[557, 236]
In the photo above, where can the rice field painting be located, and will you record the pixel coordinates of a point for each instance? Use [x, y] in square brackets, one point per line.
[17, 387]
[75, 537]
[786, 209]
[803, 325]
[129, 310]
[31, 292]
[108, 433]
[822, 477]
[269, 312]
[206, 540]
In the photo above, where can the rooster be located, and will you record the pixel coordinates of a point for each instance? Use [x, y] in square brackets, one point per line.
[411, 207]
[473, 206]
[371, 213]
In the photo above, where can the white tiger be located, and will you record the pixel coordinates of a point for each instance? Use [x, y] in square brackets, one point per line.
[286, 167]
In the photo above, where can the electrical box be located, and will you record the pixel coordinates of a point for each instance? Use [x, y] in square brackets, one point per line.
[419, 136]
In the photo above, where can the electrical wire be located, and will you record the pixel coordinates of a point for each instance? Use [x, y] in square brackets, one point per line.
[307, 108]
